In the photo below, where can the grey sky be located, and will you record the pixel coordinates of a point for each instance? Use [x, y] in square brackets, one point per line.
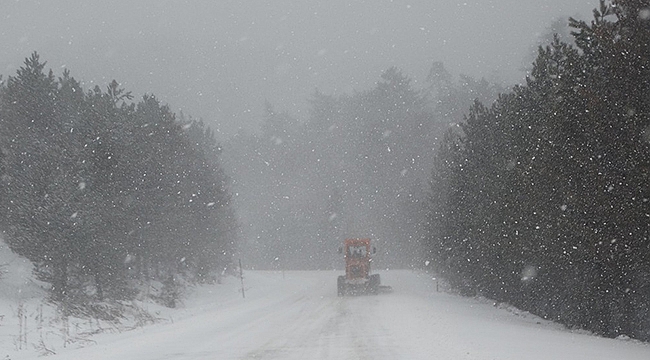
[219, 60]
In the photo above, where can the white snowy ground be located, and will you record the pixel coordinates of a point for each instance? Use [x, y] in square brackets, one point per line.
[297, 315]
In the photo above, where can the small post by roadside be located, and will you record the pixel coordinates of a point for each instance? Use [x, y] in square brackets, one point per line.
[241, 276]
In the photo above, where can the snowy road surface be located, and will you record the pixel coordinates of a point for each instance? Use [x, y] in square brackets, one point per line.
[297, 315]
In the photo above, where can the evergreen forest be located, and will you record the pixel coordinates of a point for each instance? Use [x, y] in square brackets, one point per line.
[541, 199]
[102, 193]
[537, 195]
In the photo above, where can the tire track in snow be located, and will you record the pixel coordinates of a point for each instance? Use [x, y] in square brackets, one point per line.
[328, 327]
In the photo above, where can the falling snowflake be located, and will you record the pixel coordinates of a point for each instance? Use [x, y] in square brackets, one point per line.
[644, 14]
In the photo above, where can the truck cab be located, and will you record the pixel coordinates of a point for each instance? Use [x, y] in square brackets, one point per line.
[357, 279]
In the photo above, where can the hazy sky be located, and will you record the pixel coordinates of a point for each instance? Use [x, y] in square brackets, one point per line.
[219, 60]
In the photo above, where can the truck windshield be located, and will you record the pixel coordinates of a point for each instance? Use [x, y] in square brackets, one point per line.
[357, 251]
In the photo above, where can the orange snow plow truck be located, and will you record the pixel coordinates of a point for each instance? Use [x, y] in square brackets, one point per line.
[357, 278]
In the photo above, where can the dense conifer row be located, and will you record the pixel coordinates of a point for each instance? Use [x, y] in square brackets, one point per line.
[98, 191]
[542, 199]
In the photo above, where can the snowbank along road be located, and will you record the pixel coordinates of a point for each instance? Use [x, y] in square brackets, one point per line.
[297, 315]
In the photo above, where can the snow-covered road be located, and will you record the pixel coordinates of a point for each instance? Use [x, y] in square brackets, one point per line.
[297, 315]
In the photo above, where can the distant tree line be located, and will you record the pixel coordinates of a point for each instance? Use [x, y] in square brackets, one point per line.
[542, 199]
[358, 166]
[100, 192]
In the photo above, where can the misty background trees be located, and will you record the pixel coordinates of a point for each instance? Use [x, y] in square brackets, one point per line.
[359, 166]
[100, 192]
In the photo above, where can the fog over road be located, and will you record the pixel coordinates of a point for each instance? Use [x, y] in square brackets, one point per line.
[297, 315]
